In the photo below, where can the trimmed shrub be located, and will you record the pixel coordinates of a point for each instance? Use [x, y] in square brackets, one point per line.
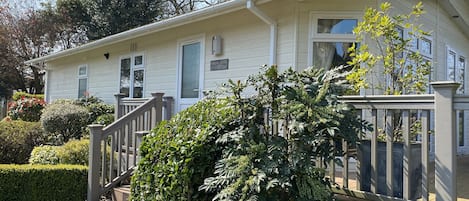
[17, 140]
[26, 109]
[74, 152]
[105, 119]
[64, 121]
[18, 95]
[43, 182]
[97, 110]
[44, 155]
[180, 153]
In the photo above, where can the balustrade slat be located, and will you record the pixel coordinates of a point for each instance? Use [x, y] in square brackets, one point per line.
[127, 145]
[425, 149]
[345, 160]
[389, 152]
[112, 174]
[103, 162]
[407, 163]
[119, 152]
[374, 155]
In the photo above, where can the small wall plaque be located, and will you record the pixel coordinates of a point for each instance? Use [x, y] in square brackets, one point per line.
[221, 64]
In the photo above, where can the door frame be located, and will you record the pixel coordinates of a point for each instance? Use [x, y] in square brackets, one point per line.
[186, 41]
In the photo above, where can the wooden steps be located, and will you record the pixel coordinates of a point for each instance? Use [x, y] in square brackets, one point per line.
[121, 193]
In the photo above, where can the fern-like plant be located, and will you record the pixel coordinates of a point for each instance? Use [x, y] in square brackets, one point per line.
[292, 119]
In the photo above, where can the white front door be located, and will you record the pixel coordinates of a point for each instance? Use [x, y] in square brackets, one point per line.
[190, 73]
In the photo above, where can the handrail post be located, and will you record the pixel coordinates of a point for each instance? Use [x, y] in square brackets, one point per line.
[117, 108]
[445, 141]
[168, 102]
[157, 110]
[94, 190]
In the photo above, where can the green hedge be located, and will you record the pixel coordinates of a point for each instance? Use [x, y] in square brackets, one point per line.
[19, 95]
[181, 153]
[43, 182]
[17, 140]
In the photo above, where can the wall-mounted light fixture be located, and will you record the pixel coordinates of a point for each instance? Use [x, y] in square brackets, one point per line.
[106, 55]
[217, 45]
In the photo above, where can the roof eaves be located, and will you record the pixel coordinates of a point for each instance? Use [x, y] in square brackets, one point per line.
[187, 18]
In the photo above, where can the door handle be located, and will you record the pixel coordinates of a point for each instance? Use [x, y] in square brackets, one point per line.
[195, 90]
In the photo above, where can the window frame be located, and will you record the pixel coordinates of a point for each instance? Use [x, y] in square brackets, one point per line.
[133, 67]
[313, 36]
[82, 77]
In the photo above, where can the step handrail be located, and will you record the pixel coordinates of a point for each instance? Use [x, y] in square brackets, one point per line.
[121, 138]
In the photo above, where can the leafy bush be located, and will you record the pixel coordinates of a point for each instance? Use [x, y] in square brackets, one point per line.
[43, 182]
[105, 119]
[26, 109]
[19, 95]
[237, 146]
[17, 140]
[74, 152]
[261, 161]
[100, 110]
[64, 121]
[180, 153]
[44, 155]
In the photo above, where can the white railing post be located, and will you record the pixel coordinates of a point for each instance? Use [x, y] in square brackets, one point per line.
[445, 141]
[94, 189]
[117, 109]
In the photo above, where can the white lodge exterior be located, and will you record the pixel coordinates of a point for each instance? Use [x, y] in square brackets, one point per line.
[185, 55]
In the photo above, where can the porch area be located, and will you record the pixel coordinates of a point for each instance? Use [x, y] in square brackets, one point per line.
[462, 182]
[435, 171]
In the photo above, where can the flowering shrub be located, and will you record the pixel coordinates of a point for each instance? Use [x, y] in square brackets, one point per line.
[26, 109]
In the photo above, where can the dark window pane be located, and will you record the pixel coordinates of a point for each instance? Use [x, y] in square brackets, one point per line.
[331, 54]
[82, 87]
[125, 76]
[138, 84]
[336, 26]
[190, 70]
[82, 71]
[138, 60]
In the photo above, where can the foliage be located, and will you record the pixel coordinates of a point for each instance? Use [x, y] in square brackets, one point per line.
[406, 70]
[74, 152]
[97, 108]
[56, 115]
[44, 155]
[43, 182]
[17, 140]
[105, 119]
[26, 109]
[20, 95]
[261, 161]
[181, 152]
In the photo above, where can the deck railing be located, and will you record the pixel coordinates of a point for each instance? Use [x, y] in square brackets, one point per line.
[113, 149]
[442, 106]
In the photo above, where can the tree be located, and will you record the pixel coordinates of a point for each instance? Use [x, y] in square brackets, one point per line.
[25, 34]
[406, 70]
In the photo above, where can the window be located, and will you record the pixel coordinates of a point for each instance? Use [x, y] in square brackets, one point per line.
[82, 81]
[455, 71]
[132, 73]
[332, 36]
[422, 45]
[455, 68]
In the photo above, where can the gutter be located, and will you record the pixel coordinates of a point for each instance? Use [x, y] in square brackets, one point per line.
[250, 5]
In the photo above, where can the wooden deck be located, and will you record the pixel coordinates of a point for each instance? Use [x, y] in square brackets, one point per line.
[462, 180]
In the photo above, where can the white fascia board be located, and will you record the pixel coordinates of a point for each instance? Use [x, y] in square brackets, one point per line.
[187, 18]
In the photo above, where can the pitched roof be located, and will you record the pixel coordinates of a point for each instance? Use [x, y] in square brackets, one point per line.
[198, 15]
